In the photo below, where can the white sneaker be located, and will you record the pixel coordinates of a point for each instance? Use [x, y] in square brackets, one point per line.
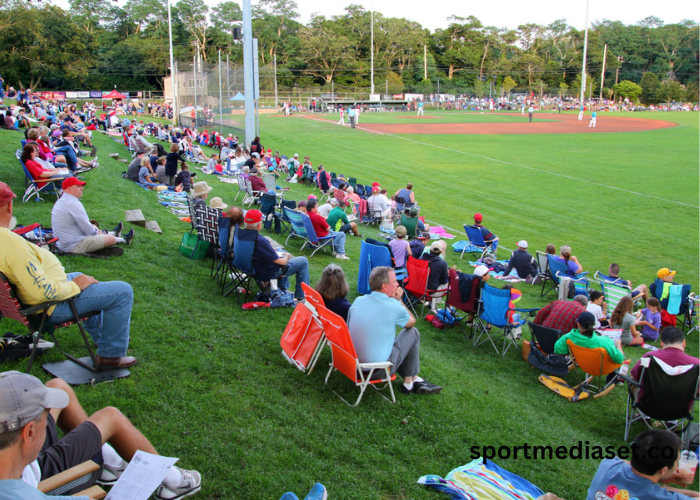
[342, 256]
[191, 483]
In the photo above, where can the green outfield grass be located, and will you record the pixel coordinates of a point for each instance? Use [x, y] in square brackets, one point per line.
[212, 388]
[440, 116]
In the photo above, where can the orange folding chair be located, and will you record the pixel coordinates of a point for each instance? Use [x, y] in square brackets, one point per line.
[594, 362]
[345, 359]
[312, 295]
[416, 285]
[303, 338]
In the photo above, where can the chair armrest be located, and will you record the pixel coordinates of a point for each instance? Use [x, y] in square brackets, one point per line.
[53, 482]
[39, 307]
[526, 310]
[93, 492]
[379, 364]
[629, 379]
[26, 229]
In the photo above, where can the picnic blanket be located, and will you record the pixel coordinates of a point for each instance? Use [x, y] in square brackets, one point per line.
[438, 232]
[483, 480]
[510, 278]
[458, 246]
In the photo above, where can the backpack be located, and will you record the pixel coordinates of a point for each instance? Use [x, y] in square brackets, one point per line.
[417, 248]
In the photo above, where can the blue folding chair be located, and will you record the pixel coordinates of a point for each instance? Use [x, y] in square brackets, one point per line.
[304, 229]
[371, 256]
[558, 270]
[492, 323]
[51, 186]
[244, 242]
[476, 242]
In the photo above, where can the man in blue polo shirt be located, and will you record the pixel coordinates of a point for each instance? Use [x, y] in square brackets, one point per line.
[372, 320]
[270, 265]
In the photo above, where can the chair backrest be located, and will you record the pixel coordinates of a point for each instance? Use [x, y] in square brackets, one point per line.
[209, 229]
[411, 225]
[476, 238]
[418, 273]
[270, 181]
[309, 228]
[194, 214]
[9, 304]
[543, 263]
[268, 202]
[287, 205]
[353, 182]
[312, 295]
[544, 337]
[225, 235]
[556, 267]
[668, 391]
[301, 336]
[338, 336]
[371, 256]
[495, 305]
[454, 298]
[401, 203]
[244, 241]
[594, 361]
[613, 289]
[359, 189]
[297, 221]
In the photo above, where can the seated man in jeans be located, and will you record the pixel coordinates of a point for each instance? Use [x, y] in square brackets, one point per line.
[372, 320]
[30, 450]
[38, 277]
[323, 229]
[270, 265]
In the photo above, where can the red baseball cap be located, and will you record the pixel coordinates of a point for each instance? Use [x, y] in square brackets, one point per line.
[6, 194]
[253, 216]
[72, 181]
[478, 217]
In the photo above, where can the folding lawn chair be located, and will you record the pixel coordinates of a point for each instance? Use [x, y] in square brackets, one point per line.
[476, 242]
[371, 256]
[353, 182]
[542, 354]
[693, 317]
[656, 289]
[271, 218]
[454, 301]
[304, 229]
[613, 289]
[558, 270]
[74, 481]
[286, 224]
[209, 232]
[544, 273]
[374, 214]
[244, 243]
[360, 190]
[492, 321]
[345, 359]
[270, 181]
[596, 363]
[32, 188]
[40, 236]
[35, 318]
[416, 285]
[411, 225]
[303, 339]
[668, 395]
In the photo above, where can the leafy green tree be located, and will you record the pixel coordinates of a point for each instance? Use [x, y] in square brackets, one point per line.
[193, 16]
[508, 85]
[628, 89]
[651, 89]
[323, 50]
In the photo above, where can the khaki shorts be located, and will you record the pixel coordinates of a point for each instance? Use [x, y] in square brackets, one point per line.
[89, 244]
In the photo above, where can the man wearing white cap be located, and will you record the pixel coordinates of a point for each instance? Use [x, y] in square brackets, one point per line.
[30, 450]
[523, 262]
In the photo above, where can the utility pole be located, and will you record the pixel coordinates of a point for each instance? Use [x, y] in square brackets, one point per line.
[585, 52]
[228, 83]
[221, 100]
[602, 73]
[438, 96]
[617, 71]
[275, 60]
[194, 74]
[371, 59]
[425, 62]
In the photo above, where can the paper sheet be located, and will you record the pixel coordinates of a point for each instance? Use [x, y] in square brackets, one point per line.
[142, 476]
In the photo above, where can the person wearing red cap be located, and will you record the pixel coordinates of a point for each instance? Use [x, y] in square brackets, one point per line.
[489, 237]
[39, 277]
[73, 228]
[270, 265]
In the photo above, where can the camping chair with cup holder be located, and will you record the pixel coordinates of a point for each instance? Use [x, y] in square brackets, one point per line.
[542, 354]
[455, 303]
[558, 270]
[304, 229]
[416, 286]
[32, 186]
[476, 242]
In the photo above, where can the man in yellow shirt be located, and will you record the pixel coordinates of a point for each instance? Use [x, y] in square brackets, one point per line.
[39, 277]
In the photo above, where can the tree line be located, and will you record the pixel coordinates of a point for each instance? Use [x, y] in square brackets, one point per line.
[98, 45]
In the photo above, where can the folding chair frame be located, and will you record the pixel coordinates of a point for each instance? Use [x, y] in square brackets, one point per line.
[600, 390]
[475, 241]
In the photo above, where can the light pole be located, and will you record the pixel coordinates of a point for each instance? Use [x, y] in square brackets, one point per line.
[172, 65]
[585, 51]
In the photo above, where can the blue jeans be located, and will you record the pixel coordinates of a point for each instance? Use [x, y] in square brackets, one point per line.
[109, 330]
[338, 241]
[299, 266]
[71, 158]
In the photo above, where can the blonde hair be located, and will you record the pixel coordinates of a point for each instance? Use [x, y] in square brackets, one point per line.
[145, 161]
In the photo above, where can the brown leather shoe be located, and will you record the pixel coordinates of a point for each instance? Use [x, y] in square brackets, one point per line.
[107, 363]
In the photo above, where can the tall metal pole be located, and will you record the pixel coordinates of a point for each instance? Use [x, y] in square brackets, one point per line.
[194, 74]
[371, 59]
[585, 52]
[602, 73]
[425, 62]
[221, 100]
[275, 60]
[438, 96]
[248, 73]
[172, 61]
[228, 83]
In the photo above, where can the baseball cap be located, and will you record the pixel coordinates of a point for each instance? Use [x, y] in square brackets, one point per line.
[481, 270]
[478, 217]
[296, 155]
[665, 271]
[72, 181]
[311, 197]
[255, 155]
[253, 216]
[6, 194]
[522, 244]
[23, 398]
[586, 319]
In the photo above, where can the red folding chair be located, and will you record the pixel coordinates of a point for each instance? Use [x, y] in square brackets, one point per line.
[454, 301]
[416, 285]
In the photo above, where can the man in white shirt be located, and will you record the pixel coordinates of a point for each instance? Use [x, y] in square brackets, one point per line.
[72, 226]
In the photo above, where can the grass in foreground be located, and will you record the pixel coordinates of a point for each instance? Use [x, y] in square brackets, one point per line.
[212, 388]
